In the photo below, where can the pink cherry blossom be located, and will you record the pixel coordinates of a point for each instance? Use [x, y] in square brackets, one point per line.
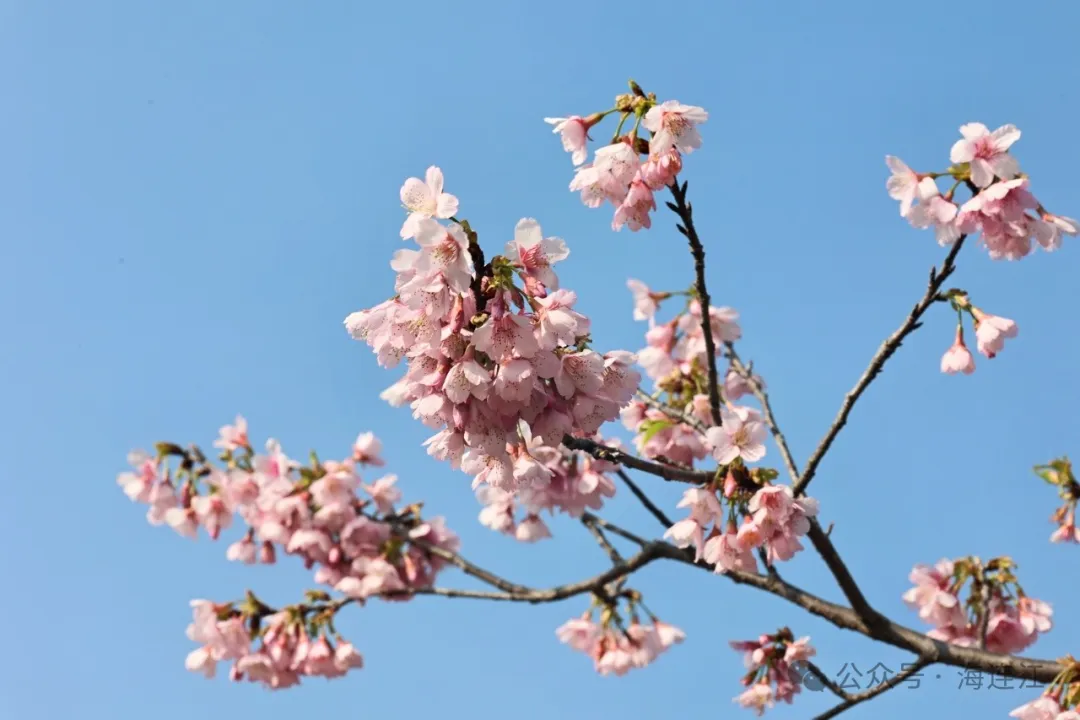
[903, 184]
[758, 697]
[535, 254]
[383, 493]
[366, 449]
[444, 250]
[726, 552]
[991, 332]
[958, 358]
[1049, 228]
[1041, 708]
[532, 529]
[987, 152]
[558, 323]
[139, 484]
[575, 134]
[425, 199]
[617, 165]
[935, 211]
[674, 125]
[736, 438]
[635, 207]
[646, 302]
[659, 170]
[932, 596]
[233, 437]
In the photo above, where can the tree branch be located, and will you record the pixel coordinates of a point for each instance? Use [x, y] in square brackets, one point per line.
[668, 472]
[686, 214]
[644, 499]
[888, 632]
[766, 409]
[852, 700]
[594, 520]
[890, 346]
[512, 592]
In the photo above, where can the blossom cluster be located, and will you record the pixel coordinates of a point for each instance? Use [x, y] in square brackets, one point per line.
[629, 170]
[1013, 620]
[323, 513]
[498, 361]
[772, 519]
[676, 359]
[991, 332]
[1001, 208]
[775, 668]
[1059, 701]
[291, 645]
[615, 647]
[1059, 473]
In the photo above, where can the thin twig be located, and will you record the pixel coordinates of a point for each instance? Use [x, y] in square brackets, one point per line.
[589, 519]
[854, 699]
[644, 499]
[686, 214]
[591, 522]
[890, 346]
[820, 539]
[763, 398]
[673, 413]
[668, 472]
[829, 684]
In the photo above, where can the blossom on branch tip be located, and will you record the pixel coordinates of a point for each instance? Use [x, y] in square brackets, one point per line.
[574, 131]
[425, 199]
[902, 185]
[958, 358]
[987, 152]
[991, 332]
[674, 125]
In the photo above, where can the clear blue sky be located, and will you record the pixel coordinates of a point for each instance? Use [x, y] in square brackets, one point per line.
[194, 195]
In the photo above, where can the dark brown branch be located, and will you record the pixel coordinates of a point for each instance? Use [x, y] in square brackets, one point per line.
[889, 632]
[686, 214]
[844, 578]
[829, 684]
[668, 472]
[854, 699]
[644, 499]
[890, 346]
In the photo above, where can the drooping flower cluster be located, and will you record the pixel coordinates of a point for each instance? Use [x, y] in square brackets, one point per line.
[676, 359]
[324, 513]
[1013, 620]
[614, 646]
[775, 669]
[1060, 474]
[628, 171]
[577, 482]
[502, 370]
[1001, 208]
[991, 332]
[772, 518]
[293, 643]
[1059, 701]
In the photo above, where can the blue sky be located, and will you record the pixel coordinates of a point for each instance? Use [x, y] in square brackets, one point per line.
[196, 194]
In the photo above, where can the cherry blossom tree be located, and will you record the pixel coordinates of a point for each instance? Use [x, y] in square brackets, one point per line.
[499, 362]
